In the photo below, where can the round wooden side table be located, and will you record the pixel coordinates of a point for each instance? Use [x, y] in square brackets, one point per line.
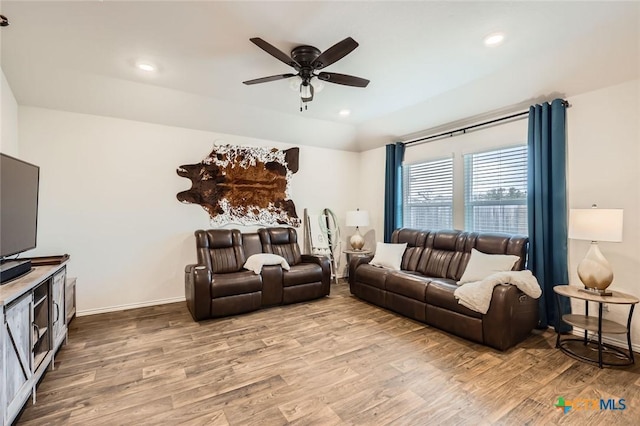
[597, 325]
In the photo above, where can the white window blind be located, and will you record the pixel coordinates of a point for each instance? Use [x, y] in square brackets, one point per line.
[495, 191]
[428, 195]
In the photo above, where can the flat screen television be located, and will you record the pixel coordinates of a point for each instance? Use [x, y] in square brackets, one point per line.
[19, 183]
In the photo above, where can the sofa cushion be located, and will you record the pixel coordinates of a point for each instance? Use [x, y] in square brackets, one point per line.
[235, 283]
[504, 244]
[415, 240]
[481, 265]
[371, 275]
[410, 285]
[438, 264]
[389, 255]
[281, 241]
[220, 250]
[302, 273]
[440, 293]
[442, 254]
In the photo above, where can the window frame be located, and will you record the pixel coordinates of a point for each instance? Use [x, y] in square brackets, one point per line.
[459, 205]
[406, 189]
[468, 182]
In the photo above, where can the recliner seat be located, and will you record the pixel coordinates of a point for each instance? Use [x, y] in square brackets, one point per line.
[219, 286]
[307, 278]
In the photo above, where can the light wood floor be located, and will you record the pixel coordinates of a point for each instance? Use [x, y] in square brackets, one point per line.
[337, 360]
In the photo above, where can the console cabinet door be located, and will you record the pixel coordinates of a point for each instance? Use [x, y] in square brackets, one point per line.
[17, 353]
[58, 313]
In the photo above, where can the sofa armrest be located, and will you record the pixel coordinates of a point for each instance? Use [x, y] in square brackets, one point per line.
[510, 318]
[197, 288]
[354, 263]
[325, 264]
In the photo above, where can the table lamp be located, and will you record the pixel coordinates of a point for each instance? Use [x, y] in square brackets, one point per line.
[595, 225]
[357, 218]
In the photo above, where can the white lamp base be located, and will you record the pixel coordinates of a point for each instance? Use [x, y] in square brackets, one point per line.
[595, 271]
[357, 240]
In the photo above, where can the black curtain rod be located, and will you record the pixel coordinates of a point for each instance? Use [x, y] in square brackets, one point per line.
[464, 129]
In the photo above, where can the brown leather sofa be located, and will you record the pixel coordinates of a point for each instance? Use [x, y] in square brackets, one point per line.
[218, 286]
[423, 289]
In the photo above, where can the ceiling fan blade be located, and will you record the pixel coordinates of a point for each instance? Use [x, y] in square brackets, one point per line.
[270, 78]
[335, 53]
[347, 80]
[275, 52]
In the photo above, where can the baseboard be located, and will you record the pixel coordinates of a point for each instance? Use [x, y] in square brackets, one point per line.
[129, 306]
[622, 344]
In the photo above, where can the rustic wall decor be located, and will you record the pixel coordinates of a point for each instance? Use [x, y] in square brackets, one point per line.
[245, 185]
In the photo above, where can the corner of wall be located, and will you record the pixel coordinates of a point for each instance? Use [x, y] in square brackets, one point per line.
[8, 118]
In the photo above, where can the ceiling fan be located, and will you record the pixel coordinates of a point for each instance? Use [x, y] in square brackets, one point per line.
[307, 60]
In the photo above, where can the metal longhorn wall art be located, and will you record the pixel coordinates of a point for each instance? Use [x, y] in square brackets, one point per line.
[243, 184]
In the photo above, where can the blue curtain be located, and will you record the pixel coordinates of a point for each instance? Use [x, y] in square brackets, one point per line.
[393, 189]
[547, 207]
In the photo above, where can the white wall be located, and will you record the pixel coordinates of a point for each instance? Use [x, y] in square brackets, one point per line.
[371, 195]
[604, 168]
[108, 198]
[603, 156]
[8, 119]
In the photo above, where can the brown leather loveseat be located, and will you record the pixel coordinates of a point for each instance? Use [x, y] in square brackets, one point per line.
[423, 289]
[218, 286]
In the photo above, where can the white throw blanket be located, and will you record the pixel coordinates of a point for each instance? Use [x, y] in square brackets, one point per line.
[477, 295]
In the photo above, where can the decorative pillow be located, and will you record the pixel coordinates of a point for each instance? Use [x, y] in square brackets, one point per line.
[481, 265]
[388, 255]
[255, 262]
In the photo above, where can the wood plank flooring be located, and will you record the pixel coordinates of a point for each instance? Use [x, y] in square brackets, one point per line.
[336, 360]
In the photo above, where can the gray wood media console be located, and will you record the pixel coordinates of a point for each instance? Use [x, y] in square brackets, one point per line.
[34, 326]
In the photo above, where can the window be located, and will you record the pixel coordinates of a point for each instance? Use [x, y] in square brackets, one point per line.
[428, 195]
[495, 191]
[482, 192]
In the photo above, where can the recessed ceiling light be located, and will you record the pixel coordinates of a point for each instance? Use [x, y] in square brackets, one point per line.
[344, 112]
[494, 39]
[146, 66]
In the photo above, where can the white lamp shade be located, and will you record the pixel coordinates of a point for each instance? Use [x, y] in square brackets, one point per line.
[596, 224]
[358, 218]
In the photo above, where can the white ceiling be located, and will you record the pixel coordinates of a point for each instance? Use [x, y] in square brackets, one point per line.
[426, 61]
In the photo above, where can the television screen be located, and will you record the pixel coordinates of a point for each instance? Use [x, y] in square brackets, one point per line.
[18, 205]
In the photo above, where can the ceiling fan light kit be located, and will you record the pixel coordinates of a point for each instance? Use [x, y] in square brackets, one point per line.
[307, 60]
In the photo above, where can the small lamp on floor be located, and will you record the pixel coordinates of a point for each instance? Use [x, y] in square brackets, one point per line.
[357, 218]
[595, 225]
